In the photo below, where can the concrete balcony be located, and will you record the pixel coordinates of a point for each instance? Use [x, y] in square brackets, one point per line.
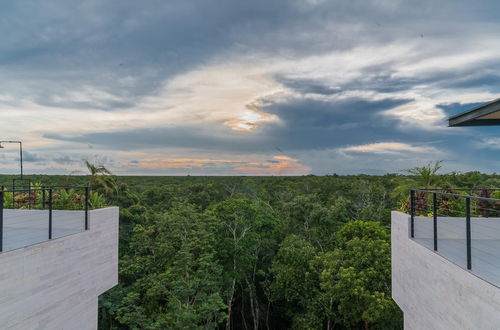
[55, 284]
[435, 289]
[26, 227]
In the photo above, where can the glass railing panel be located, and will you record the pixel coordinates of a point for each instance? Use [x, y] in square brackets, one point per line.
[24, 227]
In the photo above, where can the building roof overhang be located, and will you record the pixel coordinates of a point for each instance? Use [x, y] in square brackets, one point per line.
[487, 114]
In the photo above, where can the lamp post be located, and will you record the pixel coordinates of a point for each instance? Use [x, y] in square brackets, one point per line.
[20, 152]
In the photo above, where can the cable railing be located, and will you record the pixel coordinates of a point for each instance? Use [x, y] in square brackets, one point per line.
[461, 224]
[35, 214]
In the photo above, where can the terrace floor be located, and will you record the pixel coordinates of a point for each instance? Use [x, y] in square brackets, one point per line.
[485, 255]
[27, 227]
[451, 243]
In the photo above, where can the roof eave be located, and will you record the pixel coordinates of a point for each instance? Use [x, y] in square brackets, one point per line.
[470, 117]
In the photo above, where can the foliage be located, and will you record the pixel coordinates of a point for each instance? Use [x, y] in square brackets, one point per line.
[357, 274]
[96, 200]
[256, 252]
[100, 178]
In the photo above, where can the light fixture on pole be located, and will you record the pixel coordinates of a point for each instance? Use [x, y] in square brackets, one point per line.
[20, 153]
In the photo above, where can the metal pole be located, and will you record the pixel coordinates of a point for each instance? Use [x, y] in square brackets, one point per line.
[434, 202]
[1, 219]
[20, 153]
[467, 231]
[50, 213]
[43, 198]
[21, 157]
[412, 212]
[86, 208]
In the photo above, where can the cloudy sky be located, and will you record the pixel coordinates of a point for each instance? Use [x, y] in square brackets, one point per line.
[261, 87]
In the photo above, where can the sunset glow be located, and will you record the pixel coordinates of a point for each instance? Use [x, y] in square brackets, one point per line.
[229, 93]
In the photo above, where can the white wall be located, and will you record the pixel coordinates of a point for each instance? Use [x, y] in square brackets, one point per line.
[55, 284]
[433, 292]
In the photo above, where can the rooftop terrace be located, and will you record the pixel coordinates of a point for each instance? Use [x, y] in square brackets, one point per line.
[461, 226]
[59, 254]
[33, 215]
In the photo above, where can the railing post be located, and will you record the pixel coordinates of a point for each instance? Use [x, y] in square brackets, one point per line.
[467, 231]
[1, 219]
[412, 213]
[87, 208]
[434, 213]
[43, 198]
[50, 213]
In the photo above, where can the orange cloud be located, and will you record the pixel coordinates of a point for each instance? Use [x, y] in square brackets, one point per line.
[185, 163]
[286, 166]
[284, 158]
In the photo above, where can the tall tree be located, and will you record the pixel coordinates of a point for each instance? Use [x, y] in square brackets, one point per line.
[245, 244]
[357, 275]
[100, 178]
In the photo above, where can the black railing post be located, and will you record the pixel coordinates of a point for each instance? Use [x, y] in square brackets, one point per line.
[87, 208]
[43, 198]
[50, 213]
[467, 231]
[434, 213]
[1, 219]
[412, 213]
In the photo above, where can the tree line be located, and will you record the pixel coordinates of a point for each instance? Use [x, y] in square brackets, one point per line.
[310, 252]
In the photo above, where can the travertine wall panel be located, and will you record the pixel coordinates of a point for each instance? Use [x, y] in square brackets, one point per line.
[55, 284]
[433, 292]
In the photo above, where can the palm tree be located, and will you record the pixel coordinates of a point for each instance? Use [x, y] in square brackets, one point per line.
[100, 178]
[425, 177]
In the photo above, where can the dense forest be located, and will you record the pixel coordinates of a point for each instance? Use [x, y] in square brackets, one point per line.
[310, 252]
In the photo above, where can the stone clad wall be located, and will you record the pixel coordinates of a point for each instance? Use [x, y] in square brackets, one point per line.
[433, 292]
[55, 284]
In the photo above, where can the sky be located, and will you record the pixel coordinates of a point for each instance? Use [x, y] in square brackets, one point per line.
[261, 87]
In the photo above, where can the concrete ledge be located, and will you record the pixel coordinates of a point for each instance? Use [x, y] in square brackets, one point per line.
[55, 284]
[435, 293]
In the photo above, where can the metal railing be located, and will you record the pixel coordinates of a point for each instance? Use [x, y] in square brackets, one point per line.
[451, 204]
[47, 198]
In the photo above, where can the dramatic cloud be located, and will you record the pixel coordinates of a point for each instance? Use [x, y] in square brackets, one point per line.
[284, 166]
[389, 148]
[262, 87]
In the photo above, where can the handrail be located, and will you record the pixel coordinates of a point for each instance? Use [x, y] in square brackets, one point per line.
[458, 195]
[46, 187]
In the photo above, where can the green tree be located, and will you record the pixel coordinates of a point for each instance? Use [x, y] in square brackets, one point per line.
[357, 275]
[171, 277]
[296, 282]
[100, 178]
[245, 245]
